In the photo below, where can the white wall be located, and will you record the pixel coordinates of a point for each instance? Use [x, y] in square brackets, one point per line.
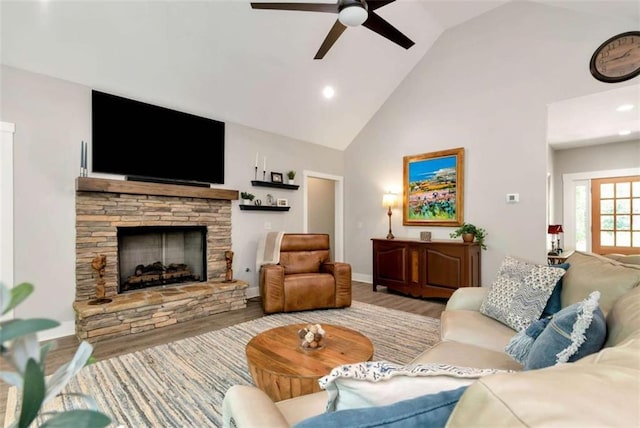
[52, 117]
[484, 86]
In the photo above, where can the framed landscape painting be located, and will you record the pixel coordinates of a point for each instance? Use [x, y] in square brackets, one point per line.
[434, 188]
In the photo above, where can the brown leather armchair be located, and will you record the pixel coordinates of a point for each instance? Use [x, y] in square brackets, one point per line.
[305, 278]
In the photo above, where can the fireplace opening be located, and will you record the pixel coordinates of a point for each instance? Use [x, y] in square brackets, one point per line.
[150, 256]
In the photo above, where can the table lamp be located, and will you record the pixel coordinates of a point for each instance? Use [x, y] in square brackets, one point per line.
[389, 200]
[554, 230]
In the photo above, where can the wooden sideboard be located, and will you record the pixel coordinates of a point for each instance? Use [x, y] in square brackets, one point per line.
[425, 268]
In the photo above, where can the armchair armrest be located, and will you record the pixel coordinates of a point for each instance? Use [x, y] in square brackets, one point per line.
[467, 298]
[247, 406]
[342, 275]
[272, 288]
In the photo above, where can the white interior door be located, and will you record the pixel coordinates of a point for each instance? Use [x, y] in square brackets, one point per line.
[323, 209]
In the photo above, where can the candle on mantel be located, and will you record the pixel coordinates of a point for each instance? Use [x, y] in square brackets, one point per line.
[264, 165]
[256, 159]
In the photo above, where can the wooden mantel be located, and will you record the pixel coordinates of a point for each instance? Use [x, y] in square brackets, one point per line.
[91, 184]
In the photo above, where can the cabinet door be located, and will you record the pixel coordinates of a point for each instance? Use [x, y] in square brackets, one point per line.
[390, 261]
[445, 266]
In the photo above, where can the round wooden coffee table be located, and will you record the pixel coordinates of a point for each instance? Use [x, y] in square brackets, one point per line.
[282, 369]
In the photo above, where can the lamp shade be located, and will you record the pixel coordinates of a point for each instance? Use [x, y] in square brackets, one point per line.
[554, 229]
[389, 200]
[353, 15]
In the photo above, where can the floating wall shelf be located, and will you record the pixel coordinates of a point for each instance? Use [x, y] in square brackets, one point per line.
[274, 185]
[262, 208]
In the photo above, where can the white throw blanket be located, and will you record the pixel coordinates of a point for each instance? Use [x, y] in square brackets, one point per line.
[269, 250]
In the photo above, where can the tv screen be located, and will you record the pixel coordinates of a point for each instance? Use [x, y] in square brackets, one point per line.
[148, 142]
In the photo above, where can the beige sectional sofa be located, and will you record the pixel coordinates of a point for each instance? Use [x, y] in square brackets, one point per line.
[602, 389]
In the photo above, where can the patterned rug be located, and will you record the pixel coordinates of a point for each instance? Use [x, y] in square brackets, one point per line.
[182, 384]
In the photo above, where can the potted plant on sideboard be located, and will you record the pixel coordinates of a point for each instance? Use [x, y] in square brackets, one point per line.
[469, 233]
[246, 197]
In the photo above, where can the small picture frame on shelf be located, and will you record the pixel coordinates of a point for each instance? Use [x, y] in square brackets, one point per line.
[276, 177]
[282, 202]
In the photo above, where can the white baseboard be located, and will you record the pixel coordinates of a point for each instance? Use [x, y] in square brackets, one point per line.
[362, 277]
[66, 328]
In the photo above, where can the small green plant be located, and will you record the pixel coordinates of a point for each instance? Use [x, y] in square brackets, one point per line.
[291, 175]
[19, 346]
[247, 195]
[467, 228]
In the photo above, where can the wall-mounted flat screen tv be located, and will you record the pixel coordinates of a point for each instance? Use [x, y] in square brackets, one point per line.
[152, 143]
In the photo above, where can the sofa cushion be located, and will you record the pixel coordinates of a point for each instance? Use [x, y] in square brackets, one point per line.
[574, 332]
[520, 292]
[592, 392]
[474, 328]
[591, 272]
[305, 291]
[466, 355]
[378, 383]
[430, 410]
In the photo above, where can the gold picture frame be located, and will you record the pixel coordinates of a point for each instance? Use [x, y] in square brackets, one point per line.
[433, 191]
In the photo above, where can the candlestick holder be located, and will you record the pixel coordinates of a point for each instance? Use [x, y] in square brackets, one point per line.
[255, 173]
[264, 175]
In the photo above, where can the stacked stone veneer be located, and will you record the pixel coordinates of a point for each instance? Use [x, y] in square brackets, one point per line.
[99, 214]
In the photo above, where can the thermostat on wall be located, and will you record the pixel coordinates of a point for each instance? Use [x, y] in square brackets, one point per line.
[512, 198]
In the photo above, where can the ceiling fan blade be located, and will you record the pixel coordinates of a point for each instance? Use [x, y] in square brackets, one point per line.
[377, 4]
[306, 7]
[375, 23]
[331, 38]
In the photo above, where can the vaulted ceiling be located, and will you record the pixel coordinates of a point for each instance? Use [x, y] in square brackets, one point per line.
[227, 61]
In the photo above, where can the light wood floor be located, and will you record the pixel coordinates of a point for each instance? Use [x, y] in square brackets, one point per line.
[66, 346]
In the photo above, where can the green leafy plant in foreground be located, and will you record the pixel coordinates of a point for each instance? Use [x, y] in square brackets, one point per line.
[19, 346]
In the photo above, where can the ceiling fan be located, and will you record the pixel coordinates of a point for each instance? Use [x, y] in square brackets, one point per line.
[351, 13]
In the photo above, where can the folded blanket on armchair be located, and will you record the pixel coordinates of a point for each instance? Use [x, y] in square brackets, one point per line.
[269, 249]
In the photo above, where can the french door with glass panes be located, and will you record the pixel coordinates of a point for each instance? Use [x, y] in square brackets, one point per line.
[615, 215]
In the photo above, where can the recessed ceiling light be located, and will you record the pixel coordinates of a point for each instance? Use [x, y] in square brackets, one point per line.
[624, 132]
[328, 92]
[625, 107]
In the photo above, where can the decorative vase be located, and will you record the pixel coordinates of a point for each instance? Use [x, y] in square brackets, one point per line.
[468, 237]
[246, 202]
[292, 181]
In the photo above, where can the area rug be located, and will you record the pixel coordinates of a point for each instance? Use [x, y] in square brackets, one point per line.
[183, 383]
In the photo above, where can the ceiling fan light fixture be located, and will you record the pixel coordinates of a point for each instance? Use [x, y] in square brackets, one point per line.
[353, 15]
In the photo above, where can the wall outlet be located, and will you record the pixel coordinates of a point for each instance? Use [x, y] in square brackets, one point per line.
[513, 198]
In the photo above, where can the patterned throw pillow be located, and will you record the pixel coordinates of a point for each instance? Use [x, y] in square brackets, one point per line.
[378, 383]
[520, 292]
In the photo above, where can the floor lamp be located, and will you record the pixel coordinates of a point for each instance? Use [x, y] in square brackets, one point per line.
[389, 200]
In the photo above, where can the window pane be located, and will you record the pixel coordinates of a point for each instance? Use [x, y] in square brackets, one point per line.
[636, 189]
[606, 239]
[636, 239]
[623, 206]
[623, 239]
[623, 222]
[606, 190]
[606, 222]
[636, 206]
[623, 190]
[606, 207]
[636, 222]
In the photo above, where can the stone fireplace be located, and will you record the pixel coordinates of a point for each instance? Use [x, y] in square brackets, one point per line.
[165, 255]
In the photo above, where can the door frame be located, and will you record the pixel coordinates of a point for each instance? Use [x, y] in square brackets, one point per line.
[569, 203]
[338, 182]
[6, 208]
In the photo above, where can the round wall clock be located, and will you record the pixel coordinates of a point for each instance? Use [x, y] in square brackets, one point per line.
[617, 59]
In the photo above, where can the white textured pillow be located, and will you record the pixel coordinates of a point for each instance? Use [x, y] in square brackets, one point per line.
[378, 383]
[520, 292]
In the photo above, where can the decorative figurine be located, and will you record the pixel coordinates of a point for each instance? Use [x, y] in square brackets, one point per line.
[228, 255]
[98, 264]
